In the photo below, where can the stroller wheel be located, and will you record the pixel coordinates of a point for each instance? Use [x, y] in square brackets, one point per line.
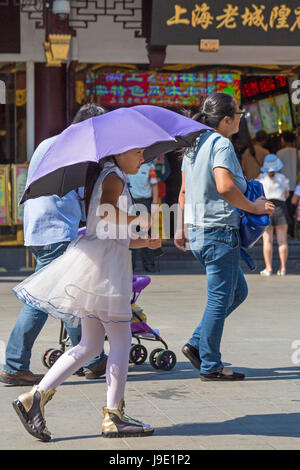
[138, 354]
[53, 356]
[79, 372]
[166, 360]
[44, 357]
[153, 357]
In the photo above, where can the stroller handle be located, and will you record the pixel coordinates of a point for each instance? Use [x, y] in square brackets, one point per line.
[140, 282]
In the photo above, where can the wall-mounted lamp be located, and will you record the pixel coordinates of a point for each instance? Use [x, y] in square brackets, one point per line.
[57, 49]
[61, 8]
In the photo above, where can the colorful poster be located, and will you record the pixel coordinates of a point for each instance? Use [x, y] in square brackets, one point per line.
[161, 89]
[19, 177]
[5, 208]
[285, 121]
[253, 119]
[268, 115]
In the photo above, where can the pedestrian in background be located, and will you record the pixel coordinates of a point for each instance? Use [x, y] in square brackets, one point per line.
[253, 156]
[296, 201]
[213, 187]
[50, 224]
[144, 190]
[276, 188]
[288, 155]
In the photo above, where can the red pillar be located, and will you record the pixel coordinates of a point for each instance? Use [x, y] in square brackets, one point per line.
[50, 101]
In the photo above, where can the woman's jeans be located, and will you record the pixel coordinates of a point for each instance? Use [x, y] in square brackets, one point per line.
[218, 250]
[31, 321]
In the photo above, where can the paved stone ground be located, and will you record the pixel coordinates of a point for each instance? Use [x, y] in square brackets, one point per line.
[261, 413]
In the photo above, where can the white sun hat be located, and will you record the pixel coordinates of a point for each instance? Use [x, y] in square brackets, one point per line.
[271, 163]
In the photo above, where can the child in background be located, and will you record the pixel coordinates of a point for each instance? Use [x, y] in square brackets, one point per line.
[276, 188]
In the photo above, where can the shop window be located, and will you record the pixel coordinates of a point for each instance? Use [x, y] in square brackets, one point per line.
[13, 149]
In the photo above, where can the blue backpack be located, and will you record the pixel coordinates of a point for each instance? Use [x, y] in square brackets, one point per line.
[252, 226]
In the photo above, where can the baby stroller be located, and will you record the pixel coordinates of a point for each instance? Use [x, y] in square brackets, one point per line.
[160, 358]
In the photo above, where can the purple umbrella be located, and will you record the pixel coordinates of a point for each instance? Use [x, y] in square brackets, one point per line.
[64, 165]
[184, 129]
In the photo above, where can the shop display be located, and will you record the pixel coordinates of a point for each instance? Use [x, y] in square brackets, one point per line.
[285, 120]
[268, 115]
[253, 119]
[5, 207]
[19, 177]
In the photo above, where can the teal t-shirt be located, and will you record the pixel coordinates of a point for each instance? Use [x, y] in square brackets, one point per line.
[204, 206]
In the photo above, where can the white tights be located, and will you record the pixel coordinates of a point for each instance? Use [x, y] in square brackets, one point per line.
[91, 344]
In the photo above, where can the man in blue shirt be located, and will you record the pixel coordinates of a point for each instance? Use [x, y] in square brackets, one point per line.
[50, 224]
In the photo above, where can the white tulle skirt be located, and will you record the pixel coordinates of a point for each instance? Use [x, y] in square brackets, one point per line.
[92, 278]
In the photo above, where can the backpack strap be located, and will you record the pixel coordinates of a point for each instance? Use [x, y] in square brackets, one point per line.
[214, 135]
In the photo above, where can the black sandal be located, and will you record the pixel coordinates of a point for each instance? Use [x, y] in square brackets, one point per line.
[219, 376]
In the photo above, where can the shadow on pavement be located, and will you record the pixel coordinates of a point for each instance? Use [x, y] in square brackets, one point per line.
[278, 424]
[184, 371]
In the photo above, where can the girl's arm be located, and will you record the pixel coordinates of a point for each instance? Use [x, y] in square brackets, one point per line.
[231, 193]
[152, 243]
[112, 189]
[180, 238]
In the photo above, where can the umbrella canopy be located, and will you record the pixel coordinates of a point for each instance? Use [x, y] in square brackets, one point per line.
[182, 128]
[65, 163]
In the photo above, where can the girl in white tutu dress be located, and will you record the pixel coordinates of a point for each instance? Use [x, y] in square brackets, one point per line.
[92, 282]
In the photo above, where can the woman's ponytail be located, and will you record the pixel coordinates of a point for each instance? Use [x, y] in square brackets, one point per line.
[215, 108]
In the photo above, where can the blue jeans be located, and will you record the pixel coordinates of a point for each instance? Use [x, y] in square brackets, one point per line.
[31, 321]
[218, 250]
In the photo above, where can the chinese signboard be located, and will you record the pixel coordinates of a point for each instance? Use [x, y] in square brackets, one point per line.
[19, 177]
[161, 89]
[5, 207]
[264, 22]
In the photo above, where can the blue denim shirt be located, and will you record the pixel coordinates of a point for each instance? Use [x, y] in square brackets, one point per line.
[51, 219]
[204, 206]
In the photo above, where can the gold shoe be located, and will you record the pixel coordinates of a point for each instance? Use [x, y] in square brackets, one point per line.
[30, 408]
[116, 424]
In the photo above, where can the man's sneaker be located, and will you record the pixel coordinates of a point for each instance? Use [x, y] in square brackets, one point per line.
[21, 378]
[93, 374]
[30, 409]
[192, 354]
[116, 424]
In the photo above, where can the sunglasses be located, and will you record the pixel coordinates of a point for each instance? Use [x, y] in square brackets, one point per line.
[242, 112]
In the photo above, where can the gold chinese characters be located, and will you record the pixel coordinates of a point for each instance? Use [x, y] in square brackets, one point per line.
[280, 17]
